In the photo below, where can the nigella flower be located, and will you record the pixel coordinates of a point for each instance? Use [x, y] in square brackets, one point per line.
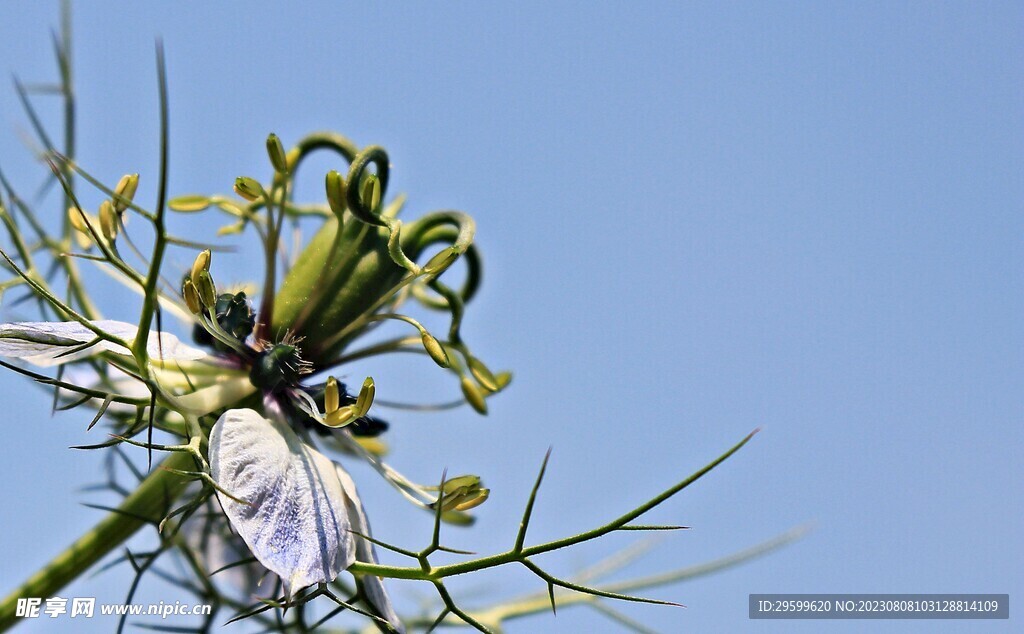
[297, 511]
[251, 419]
[253, 423]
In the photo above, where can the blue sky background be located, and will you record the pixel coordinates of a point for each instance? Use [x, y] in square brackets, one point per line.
[697, 220]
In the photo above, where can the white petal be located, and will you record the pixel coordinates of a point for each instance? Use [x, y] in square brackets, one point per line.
[218, 549]
[46, 343]
[226, 391]
[376, 593]
[116, 382]
[163, 346]
[296, 522]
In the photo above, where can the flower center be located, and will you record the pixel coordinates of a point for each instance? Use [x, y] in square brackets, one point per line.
[277, 366]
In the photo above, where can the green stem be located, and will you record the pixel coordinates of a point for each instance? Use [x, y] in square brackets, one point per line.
[520, 554]
[67, 91]
[150, 299]
[536, 603]
[146, 504]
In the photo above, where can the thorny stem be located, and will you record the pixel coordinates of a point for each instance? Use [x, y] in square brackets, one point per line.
[147, 504]
[149, 304]
[539, 602]
[520, 554]
[68, 92]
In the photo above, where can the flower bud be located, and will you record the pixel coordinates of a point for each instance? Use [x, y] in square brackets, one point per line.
[249, 188]
[276, 153]
[108, 221]
[124, 193]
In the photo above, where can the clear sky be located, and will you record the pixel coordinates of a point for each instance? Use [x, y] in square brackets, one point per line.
[697, 218]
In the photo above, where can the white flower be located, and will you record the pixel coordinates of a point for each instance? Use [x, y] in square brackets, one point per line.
[302, 519]
[46, 343]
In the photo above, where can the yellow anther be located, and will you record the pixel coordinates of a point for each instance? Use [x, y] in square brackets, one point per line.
[202, 263]
[191, 295]
[124, 193]
[473, 395]
[332, 398]
[108, 221]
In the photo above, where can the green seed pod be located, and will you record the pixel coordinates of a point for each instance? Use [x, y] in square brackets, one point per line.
[339, 276]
